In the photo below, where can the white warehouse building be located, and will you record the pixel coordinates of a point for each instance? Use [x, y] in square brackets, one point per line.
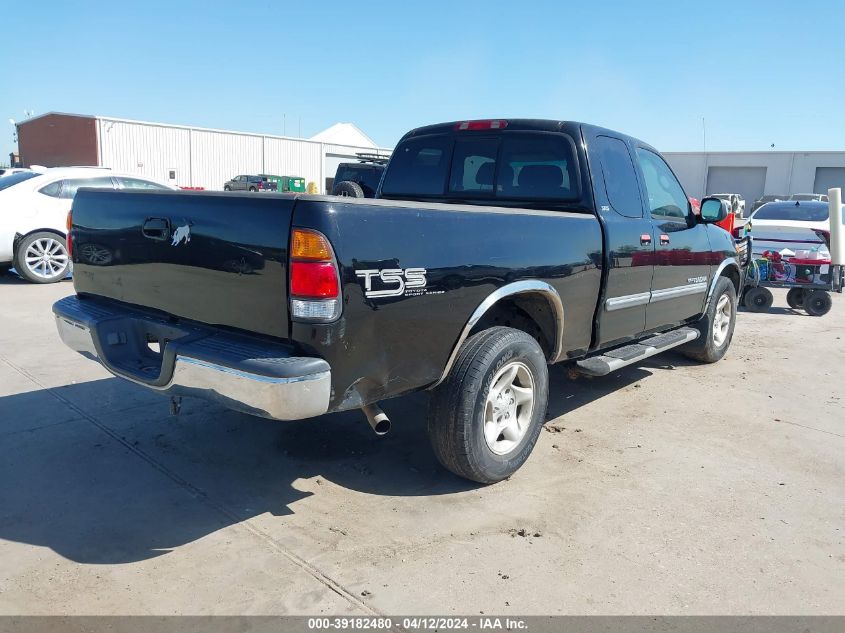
[754, 174]
[190, 156]
[187, 156]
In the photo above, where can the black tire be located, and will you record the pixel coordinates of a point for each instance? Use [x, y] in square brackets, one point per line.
[226, 188]
[253, 189]
[817, 302]
[348, 189]
[707, 348]
[758, 299]
[795, 298]
[458, 406]
[48, 274]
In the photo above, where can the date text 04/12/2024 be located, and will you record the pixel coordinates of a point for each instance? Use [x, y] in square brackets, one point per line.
[480, 623]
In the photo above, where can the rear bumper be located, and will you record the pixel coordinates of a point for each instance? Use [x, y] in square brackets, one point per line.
[241, 373]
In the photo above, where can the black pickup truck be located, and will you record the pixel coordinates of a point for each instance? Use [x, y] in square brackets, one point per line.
[493, 249]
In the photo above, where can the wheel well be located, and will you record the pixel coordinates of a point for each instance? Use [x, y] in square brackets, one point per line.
[20, 236]
[732, 273]
[528, 312]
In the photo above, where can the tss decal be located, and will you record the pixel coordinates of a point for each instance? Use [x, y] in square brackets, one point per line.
[407, 282]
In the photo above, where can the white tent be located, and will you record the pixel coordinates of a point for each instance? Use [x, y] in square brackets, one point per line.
[344, 134]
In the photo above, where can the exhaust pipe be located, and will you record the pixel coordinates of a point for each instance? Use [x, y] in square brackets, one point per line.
[377, 418]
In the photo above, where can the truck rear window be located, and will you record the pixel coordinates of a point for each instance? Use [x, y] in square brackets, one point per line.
[507, 166]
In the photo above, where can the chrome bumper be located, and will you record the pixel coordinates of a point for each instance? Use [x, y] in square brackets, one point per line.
[279, 391]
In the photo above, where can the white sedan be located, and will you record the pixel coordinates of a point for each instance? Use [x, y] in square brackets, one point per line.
[790, 225]
[33, 216]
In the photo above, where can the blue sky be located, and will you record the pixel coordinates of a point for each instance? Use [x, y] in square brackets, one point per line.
[758, 72]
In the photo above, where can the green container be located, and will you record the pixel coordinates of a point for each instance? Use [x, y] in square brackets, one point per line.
[293, 183]
[285, 184]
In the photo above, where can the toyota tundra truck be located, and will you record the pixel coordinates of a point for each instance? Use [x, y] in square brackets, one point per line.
[493, 249]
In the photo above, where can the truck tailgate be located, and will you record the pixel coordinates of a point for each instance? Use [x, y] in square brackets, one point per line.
[216, 258]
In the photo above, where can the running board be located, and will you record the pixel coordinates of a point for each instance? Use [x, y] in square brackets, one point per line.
[630, 354]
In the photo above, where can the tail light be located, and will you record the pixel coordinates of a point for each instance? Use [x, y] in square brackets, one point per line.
[314, 277]
[68, 240]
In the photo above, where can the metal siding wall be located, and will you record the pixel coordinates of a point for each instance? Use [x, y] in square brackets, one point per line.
[285, 157]
[219, 156]
[145, 150]
[208, 158]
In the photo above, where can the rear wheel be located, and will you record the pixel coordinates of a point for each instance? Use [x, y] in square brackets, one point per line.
[795, 298]
[758, 299]
[716, 327]
[486, 416]
[42, 258]
[252, 189]
[817, 302]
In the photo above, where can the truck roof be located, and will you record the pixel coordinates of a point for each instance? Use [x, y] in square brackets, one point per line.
[523, 125]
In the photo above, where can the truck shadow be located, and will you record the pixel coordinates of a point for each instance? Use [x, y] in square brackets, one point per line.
[102, 475]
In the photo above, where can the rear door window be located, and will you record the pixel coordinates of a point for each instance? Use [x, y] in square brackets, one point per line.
[137, 183]
[52, 190]
[419, 167]
[72, 185]
[620, 178]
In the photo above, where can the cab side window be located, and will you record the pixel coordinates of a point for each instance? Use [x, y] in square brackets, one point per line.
[666, 197]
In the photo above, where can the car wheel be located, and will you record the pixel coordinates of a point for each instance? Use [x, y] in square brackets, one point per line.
[795, 298]
[484, 419]
[42, 258]
[348, 189]
[227, 188]
[758, 299]
[716, 328]
[817, 302]
[252, 189]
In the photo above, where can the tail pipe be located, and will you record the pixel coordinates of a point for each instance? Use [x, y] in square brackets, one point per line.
[377, 418]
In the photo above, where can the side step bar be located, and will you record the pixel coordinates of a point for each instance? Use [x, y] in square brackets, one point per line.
[630, 354]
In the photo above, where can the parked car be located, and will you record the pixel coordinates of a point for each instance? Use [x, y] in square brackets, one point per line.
[33, 216]
[361, 179]
[736, 203]
[249, 183]
[759, 202]
[8, 171]
[787, 224]
[455, 280]
[818, 197]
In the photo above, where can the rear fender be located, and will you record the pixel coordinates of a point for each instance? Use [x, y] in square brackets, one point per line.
[525, 287]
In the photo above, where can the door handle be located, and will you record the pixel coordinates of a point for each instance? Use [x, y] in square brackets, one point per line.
[664, 239]
[157, 229]
[645, 238]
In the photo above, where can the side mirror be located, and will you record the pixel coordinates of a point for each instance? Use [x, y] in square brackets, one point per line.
[713, 210]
